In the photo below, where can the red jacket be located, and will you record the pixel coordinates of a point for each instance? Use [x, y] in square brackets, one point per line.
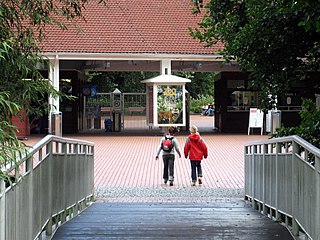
[195, 147]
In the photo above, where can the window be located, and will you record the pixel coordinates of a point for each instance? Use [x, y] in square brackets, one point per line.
[242, 100]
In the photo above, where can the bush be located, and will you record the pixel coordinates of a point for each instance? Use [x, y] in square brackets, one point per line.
[309, 129]
[197, 103]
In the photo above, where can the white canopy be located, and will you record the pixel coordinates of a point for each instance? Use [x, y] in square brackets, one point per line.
[167, 79]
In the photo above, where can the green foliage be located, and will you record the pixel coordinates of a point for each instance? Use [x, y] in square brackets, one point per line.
[196, 104]
[23, 88]
[202, 83]
[124, 81]
[10, 147]
[201, 88]
[276, 41]
[309, 129]
[100, 100]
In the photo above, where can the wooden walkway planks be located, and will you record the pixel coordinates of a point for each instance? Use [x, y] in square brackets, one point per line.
[215, 220]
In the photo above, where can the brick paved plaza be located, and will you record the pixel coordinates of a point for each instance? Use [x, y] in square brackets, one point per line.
[125, 166]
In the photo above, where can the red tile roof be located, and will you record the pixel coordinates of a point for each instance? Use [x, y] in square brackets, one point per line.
[124, 26]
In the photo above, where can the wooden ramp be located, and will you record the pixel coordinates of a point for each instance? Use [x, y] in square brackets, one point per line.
[214, 220]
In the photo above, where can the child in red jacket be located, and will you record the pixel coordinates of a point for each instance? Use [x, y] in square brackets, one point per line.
[196, 149]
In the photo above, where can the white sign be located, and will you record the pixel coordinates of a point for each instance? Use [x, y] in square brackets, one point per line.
[255, 119]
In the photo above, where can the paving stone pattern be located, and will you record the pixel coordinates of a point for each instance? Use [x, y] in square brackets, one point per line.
[126, 169]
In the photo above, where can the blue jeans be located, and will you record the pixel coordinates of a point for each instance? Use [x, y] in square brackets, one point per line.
[168, 167]
[195, 168]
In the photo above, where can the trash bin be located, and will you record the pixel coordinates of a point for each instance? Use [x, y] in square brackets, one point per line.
[273, 120]
[108, 125]
[276, 120]
[116, 121]
[56, 124]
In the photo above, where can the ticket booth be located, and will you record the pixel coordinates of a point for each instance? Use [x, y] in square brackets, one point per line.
[166, 100]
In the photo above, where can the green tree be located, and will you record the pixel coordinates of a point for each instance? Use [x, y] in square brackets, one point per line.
[124, 81]
[201, 88]
[277, 42]
[202, 83]
[22, 25]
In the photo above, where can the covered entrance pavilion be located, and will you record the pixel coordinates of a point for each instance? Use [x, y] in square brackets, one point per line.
[75, 115]
[124, 37]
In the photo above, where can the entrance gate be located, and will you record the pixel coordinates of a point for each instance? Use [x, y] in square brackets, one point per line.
[131, 111]
[131, 114]
[134, 111]
[96, 110]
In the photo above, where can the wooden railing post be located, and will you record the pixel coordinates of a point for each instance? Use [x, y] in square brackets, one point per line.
[317, 200]
[253, 184]
[278, 150]
[265, 151]
[246, 152]
[92, 173]
[77, 191]
[29, 168]
[65, 177]
[295, 226]
[50, 221]
[2, 209]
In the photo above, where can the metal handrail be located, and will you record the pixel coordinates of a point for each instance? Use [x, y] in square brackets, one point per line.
[282, 179]
[295, 138]
[53, 183]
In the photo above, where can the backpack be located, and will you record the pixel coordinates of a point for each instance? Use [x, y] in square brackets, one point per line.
[167, 144]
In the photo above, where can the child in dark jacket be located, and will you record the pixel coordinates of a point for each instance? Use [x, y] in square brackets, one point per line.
[168, 156]
[196, 149]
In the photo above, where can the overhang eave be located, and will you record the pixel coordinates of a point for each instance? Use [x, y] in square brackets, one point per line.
[132, 56]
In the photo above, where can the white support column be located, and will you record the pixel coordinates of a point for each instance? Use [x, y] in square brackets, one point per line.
[165, 69]
[165, 66]
[155, 106]
[54, 80]
[184, 112]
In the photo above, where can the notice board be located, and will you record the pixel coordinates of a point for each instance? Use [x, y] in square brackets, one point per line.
[255, 119]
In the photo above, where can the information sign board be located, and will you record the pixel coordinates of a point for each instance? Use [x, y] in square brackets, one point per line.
[255, 119]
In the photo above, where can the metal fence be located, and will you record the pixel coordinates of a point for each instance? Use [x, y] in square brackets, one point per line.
[282, 180]
[131, 112]
[134, 111]
[54, 182]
